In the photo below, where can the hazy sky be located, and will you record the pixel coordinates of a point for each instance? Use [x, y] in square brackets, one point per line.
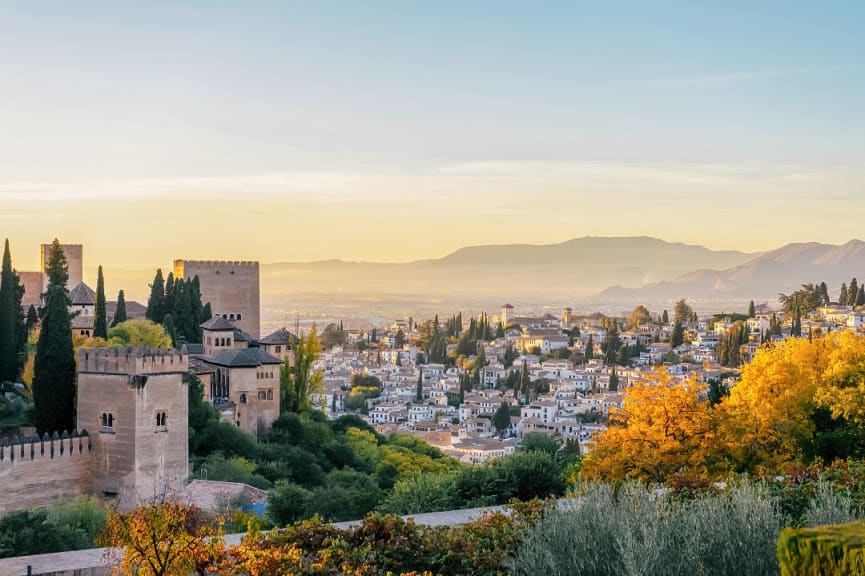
[399, 130]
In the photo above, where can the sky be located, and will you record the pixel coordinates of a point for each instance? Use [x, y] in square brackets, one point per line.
[400, 130]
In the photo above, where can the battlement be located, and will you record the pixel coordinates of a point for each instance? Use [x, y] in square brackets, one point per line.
[131, 361]
[205, 265]
[35, 448]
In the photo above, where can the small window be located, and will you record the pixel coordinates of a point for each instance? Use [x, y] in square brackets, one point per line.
[238, 316]
[231, 316]
[243, 398]
[270, 393]
[278, 349]
[161, 420]
[107, 422]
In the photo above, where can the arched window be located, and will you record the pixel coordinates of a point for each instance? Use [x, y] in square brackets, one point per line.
[107, 422]
[238, 316]
[243, 398]
[231, 316]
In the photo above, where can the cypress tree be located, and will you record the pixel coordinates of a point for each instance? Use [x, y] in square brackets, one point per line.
[751, 311]
[852, 291]
[172, 292]
[824, 290]
[842, 296]
[614, 381]
[54, 368]
[57, 269]
[419, 391]
[155, 311]
[8, 320]
[120, 310]
[524, 381]
[590, 348]
[100, 322]
[665, 317]
[860, 296]
[678, 336]
[32, 319]
[170, 328]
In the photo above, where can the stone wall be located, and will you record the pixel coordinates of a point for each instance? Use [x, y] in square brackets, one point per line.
[232, 288]
[37, 472]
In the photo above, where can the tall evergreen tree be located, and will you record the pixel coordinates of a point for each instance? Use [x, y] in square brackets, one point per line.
[155, 304]
[590, 349]
[120, 310]
[100, 322]
[57, 269]
[824, 290]
[751, 311]
[170, 294]
[852, 291]
[842, 296]
[32, 319]
[525, 382]
[860, 296]
[419, 391]
[171, 329]
[8, 320]
[614, 381]
[54, 368]
[678, 336]
[665, 317]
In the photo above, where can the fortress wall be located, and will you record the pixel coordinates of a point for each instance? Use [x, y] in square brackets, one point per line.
[38, 472]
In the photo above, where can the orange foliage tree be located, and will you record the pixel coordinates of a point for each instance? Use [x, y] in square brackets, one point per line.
[665, 428]
[162, 539]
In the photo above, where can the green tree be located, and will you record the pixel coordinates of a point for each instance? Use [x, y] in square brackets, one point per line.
[852, 291]
[155, 304]
[56, 268]
[614, 381]
[139, 332]
[170, 329]
[287, 503]
[665, 317]
[54, 368]
[751, 311]
[502, 418]
[32, 319]
[120, 310]
[100, 322]
[639, 316]
[419, 391]
[8, 320]
[842, 296]
[683, 312]
[678, 336]
[299, 382]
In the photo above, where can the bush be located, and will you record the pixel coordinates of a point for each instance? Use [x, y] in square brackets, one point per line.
[233, 470]
[837, 550]
[67, 526]
[287, 503]
[639, 531]
[421, 493]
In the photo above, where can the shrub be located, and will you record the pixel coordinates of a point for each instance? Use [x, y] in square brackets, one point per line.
[837, 550]
[287, 503]
[421, 493]
[639, 531]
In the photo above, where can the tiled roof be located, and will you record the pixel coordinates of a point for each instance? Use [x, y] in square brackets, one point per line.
[218, 323]
[281, 336]
[82, 295]
[242, 358]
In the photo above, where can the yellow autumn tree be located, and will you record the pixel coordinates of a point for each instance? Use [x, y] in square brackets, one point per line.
[842, 385]
[162, 539]
[665, 428]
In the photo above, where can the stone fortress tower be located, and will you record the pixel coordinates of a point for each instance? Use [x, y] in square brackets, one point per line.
[132, 441]
[231, 287]
[134, 402]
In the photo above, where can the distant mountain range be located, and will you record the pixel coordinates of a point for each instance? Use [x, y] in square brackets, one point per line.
[760, 278]
[577, 269]
[613, 272]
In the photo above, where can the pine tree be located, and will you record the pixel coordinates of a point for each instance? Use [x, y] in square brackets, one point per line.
[54, 368]
[8, 320]
[852, 291]
[419, 391]
[824, 290]
[155, 304]
[120, 310]
[751, 311]
[100, 322]
[665, 317]
[842, 296]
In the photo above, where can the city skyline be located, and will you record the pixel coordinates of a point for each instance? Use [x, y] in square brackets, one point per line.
[394, 133]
